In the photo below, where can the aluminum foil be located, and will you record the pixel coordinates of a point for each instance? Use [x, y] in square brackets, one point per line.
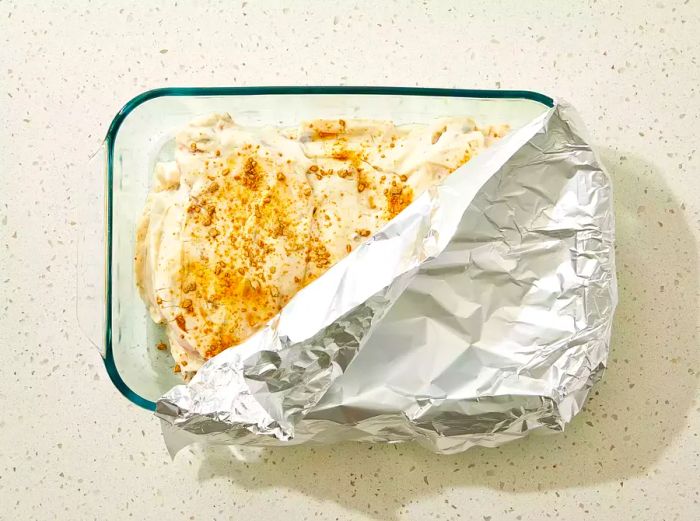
[481, 313]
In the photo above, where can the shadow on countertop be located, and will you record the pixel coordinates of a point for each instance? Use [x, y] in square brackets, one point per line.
[631, 417]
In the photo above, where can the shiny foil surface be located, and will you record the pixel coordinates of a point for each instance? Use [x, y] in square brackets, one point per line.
[481, 313]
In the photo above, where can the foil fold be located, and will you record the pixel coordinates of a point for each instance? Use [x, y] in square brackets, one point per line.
[481, 313]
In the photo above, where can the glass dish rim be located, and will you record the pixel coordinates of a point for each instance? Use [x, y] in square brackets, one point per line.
[119, 118]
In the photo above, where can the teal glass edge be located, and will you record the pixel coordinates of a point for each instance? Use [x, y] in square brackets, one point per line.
[249, 91]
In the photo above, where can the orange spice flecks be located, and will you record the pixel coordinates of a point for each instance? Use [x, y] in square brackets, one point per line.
[328, 129]
[252, 176]
[234, 287]
[259, 230]
[180, 321]
[318, 254]
[397, 198]
[465, 158]
[437, 135]
[342, 155]
[363, 180]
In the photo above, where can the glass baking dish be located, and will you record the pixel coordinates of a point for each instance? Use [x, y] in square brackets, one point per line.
[109, 308]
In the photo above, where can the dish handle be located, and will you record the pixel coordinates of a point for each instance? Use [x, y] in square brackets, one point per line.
[91, 283]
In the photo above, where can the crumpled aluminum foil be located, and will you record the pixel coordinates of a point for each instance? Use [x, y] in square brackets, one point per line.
[479, 314]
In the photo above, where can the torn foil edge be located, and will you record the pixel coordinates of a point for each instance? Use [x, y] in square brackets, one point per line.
[275, 388]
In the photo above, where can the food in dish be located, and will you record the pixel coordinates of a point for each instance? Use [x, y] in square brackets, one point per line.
[245, 217]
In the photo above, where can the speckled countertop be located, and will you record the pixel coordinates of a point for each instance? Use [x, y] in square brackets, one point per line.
[72, 448]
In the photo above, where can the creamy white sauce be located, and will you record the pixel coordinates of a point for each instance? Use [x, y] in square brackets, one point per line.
[341, 181]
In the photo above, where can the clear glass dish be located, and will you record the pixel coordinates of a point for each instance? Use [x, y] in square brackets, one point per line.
[110, 310]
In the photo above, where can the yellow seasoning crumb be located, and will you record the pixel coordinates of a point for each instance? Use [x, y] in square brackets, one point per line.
[180, 321]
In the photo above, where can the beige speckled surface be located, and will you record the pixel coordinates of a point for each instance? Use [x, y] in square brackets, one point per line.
[72, 448]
